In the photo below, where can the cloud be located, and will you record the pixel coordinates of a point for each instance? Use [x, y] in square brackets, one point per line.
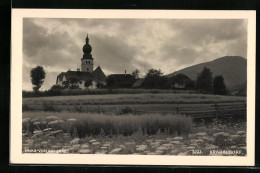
[41, 47]
[127, 44]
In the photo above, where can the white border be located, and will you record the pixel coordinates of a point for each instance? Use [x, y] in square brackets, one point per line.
[16, 156]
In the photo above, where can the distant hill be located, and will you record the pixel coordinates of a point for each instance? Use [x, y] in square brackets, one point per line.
[232, 68]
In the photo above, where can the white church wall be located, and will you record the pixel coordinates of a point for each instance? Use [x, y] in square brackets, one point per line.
[87, 65]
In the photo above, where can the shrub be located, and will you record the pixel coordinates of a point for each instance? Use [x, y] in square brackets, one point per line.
[126, 110]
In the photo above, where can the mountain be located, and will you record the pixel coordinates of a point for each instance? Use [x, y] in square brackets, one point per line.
[232, 68]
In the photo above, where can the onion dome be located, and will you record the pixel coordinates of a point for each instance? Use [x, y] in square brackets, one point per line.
[87, 50]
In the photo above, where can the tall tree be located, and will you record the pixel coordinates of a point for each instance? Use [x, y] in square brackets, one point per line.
[204, 80]
[136, 73]
[219, 86]
[37, 77]
[155, 80]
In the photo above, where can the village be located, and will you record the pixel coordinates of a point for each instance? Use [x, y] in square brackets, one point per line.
[87, 77]
[88, 112]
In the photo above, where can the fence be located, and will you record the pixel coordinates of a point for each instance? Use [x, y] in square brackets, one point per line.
[208, 110]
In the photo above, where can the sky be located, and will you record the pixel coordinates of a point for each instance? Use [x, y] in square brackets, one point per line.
[128, 44]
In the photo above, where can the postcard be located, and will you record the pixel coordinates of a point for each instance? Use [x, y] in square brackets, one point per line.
[133, 87]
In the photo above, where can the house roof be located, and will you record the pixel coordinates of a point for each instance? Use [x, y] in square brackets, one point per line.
[123, 79]
[181, 78]
[120, 77]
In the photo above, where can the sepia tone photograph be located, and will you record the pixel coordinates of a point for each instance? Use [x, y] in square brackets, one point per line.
[135, 86]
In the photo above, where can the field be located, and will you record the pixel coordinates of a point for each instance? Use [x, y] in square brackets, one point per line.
[27, 94]
[135, 124]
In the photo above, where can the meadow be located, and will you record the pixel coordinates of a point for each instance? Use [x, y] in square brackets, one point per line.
[66, 92]
[131, 124]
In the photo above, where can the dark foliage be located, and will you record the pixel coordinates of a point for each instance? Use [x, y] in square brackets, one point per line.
[136, 73]
[88, 83]
[204, 80]
[37, 77]
[57, 88]
[190, 84]
[219, 86]
[126, 110]
[72, 83]
[155, 80]
[100, 85]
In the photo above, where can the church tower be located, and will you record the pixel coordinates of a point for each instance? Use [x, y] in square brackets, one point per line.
[87, 60]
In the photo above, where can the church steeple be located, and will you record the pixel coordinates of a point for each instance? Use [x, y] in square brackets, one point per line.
[87, 60]
[87, 49]
[87, 39]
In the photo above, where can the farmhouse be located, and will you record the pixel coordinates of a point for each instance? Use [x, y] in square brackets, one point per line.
[121, 80]
[86, 72]
[181, 81]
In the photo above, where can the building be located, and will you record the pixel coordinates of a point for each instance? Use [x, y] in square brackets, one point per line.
[121, 80]
[86, 72]
[181, 81]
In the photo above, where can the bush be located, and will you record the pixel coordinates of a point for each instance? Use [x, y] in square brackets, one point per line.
[126, 110]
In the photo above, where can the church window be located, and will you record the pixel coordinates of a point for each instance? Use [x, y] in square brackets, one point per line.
[87, 69]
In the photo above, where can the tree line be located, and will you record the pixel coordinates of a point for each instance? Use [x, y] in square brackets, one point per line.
[154, 79]
[204, 83]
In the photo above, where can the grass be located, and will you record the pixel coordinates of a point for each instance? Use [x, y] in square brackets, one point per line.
[113, 119]
[126, 103]
[27, 94]
[95, 124]
[147, 98]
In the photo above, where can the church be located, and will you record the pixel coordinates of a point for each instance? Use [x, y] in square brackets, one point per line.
[86, 73]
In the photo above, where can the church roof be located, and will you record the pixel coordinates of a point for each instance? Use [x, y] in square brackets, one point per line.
[87, 50]
[79, 75]
[97, 75]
